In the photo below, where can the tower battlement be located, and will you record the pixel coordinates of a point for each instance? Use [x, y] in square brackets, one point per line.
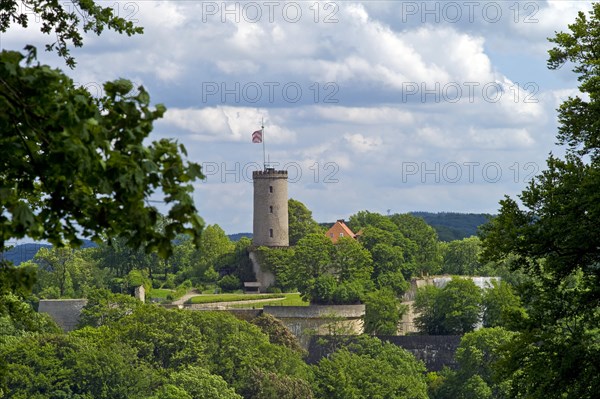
[270, 173]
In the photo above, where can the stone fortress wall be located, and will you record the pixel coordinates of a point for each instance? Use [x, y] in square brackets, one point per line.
[65, 312]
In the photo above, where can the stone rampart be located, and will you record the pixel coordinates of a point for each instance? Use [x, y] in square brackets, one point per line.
[306, 321]
[65, 312]
[436, 351]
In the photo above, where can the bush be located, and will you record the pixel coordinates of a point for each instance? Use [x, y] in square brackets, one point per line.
[117, 285]
[156, 283]
[323, 289]
[230, 283]
[50, 293]
[347, 294]
[135, 278]
[274, 290]
[170, 282]
[187, 284]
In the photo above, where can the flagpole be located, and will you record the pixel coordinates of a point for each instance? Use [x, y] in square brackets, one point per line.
[262, 129]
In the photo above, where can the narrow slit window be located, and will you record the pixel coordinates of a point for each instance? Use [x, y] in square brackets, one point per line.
[271, 209]
[271, 233]
[270, 189]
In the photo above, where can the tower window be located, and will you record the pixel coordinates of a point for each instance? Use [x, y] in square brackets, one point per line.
[271, 233]
[271, 209]
[270, 189]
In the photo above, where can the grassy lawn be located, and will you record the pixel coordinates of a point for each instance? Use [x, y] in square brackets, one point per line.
[160, 293]
[213, 298]
[289, 300]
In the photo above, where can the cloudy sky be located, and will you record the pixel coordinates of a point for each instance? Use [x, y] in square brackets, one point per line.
[376, 105]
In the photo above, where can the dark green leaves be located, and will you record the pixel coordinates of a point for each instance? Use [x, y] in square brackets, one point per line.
[66, 20]
[72, 165]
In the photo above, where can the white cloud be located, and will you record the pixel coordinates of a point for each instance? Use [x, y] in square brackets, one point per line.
[362, 144]
[225, 123]
[373, 128]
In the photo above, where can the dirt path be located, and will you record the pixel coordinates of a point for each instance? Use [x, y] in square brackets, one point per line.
[183, 299]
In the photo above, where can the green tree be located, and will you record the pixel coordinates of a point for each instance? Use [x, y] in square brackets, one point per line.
[199, 383]
[383, 312]
[312, 258]
[73, 170]
[332, 274]
[224, 345]
[300, 220]
[240, 260]
[64, 22]
[278, 333]
[415, 243]
[67, 272]
[371, 236]
[213, 253]
[363, 219]
[477, 358]
[120, 258]
[58, 263]
[502, 306]
[454, 309]
[229, 283]
[427, 257]
[461, 257]
[270, 385]
[351, 261]
[552, 236]
[103, 307]
[73, 366]
[19, 318]
[390, 268]
[72, 165]
[370, 369]
[279, 261]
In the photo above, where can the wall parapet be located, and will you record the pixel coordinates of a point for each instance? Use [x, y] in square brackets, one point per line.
[316, 311]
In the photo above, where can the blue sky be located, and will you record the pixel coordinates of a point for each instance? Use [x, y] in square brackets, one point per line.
[408, 106]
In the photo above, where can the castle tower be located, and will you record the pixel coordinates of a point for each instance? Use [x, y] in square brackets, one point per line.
[270, 208]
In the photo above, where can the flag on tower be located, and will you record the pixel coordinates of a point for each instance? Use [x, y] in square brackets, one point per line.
[257, 136]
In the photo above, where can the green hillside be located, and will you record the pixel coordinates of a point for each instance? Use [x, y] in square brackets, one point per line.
[452, 225]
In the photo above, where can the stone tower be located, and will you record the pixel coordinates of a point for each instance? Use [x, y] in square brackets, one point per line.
[270, 208]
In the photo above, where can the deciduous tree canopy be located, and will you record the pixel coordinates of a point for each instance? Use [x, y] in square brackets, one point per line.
[554, 237]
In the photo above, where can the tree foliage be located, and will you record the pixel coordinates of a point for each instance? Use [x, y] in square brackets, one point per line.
[65, 23]
[476, 376]
[325, 273]
[75, 166]
[552, 235]
[412, 243]
[370, 369]
[452, 310]
[461, 257]
[279, 261]
[383, 312]
[103, 307]
[72, 165]
[300, 220]
[502, 307]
